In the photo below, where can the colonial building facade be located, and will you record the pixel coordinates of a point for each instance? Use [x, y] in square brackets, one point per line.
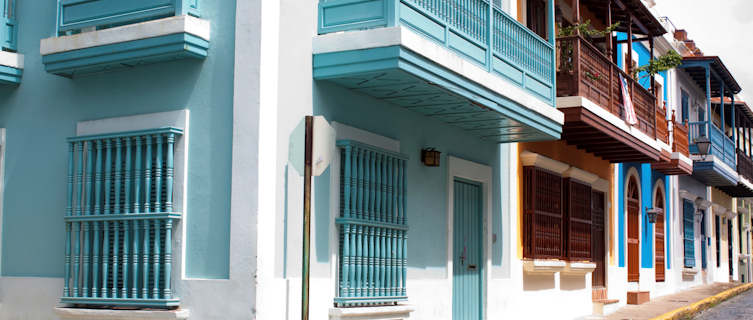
[362, 159]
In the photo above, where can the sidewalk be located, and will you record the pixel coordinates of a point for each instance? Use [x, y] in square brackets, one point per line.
[661, 305]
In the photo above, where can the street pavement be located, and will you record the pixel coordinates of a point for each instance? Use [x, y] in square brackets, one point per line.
[739, 307]
[660, 305]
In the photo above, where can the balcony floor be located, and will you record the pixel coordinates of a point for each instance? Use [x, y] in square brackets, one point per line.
[714, 172]
[424, 77]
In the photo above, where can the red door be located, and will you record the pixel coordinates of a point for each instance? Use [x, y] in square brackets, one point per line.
[598, 279]
[659, 236]
[633, 237]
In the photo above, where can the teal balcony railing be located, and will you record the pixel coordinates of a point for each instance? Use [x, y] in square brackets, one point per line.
[8, 38]
[721, 146]
[119, 219]
[74, 15]
[477, 29]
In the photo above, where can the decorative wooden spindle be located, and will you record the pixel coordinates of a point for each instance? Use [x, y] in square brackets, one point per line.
[158, 176]
[145, 261]
[135, 259]
[127, 177]
[137, 173]
[76, 256]
[89, 197]
[86, 273]
[108, 175]
[67, 271]
[148, 175]
[156, 259]
[114, 292]
[118, 174]
[168, 260]
[79, 177]
[169, 172]
[95, 261]
[71, 163]
[105, 258]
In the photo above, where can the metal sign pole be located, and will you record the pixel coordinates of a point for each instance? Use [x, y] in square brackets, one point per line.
[307, 216]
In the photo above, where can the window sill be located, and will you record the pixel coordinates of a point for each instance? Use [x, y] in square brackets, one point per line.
[580, 268]
[689, 272]
[540, 266]
[107, 314]
[11, 67]
[126, 46]
[386, 312]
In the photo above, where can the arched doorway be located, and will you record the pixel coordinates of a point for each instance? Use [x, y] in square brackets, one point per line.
[659, 266]
[633, 234]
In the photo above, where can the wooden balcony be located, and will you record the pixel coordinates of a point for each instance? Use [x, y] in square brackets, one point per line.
[744, 187]
[584, 71]
[672, 164]
[662, 125]
[722, 172]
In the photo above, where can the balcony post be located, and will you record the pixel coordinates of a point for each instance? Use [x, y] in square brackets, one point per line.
[651, 58]
[553, 43]
[708, 102]
[609, 37]
[734, 128]
[722, 103]
[629, 63]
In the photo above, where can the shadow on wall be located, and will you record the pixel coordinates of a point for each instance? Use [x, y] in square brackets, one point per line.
[572, 282]
[536, 282]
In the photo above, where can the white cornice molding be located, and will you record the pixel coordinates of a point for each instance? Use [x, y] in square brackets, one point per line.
[580, 175]
[528, 158]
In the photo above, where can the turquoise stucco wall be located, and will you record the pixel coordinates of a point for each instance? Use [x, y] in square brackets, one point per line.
[41, 112]
[427, 186]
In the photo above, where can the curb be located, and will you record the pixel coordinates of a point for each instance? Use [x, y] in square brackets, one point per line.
[708, 302]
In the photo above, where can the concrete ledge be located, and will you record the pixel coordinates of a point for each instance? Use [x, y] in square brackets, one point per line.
[376, 313]
[11, 59]
[543, 266]
[108, 314]
[131, 32]
[690, 310]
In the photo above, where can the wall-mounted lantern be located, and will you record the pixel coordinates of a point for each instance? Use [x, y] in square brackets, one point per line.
[703, 144]
[700, 204]
[652, 213]
[430, 157]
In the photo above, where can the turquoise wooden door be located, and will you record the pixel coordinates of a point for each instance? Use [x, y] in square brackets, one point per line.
[467, 251]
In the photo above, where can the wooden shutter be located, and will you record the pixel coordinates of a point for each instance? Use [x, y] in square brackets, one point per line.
[578, 220]
[542, 214]
[659, 254]
[598, 247]
[688, 236]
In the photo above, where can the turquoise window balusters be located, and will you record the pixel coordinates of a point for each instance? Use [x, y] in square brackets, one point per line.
[135, 243]
[372, 226]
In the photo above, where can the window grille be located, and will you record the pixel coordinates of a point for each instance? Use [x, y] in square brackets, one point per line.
[372, 226]
[119, 219]
[542, 214]
[688, 233]
[578, 198]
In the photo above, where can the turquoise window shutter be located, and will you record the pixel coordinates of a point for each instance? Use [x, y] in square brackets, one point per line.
[8, 37]
[688, 233]
[372, 226]
[119, 219]
[76, 14]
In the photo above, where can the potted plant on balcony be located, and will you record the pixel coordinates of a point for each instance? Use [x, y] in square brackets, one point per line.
[586, 31]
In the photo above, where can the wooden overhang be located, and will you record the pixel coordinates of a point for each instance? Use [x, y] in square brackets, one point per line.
[695, 66]
[594, 134]
[669, 166]
[623, 10]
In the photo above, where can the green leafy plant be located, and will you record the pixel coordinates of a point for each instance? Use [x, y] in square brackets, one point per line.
[669, 60]
[586, 30]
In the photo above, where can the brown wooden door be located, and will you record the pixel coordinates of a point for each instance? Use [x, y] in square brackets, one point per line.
[659, 237]
[598, 246]
[633, 236]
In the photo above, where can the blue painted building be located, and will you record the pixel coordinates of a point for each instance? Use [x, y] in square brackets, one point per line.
[116, 154]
